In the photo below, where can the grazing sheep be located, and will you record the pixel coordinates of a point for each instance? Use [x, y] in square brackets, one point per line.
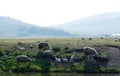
[23, 58]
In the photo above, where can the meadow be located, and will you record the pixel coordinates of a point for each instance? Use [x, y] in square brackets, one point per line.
[62, 47]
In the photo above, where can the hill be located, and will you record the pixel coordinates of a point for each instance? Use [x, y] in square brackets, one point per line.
[14, 28]
[105, 23]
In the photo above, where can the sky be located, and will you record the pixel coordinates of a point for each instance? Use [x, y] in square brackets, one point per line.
[54, 12]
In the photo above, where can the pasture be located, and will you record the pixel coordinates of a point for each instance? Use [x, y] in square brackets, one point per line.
[63, 48]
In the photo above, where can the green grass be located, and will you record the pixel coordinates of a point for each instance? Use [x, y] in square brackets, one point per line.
[63, 47]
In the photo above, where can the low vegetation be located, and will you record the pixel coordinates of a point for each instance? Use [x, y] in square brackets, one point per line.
[63, 48]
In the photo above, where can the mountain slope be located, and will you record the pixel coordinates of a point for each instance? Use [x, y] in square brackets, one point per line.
[15, 28]
[106, 23]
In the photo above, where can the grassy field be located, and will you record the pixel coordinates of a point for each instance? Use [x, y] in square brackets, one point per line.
[62, 47]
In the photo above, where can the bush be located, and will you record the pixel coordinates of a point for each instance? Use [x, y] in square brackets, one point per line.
[59, 69]
[66, 48]
[56, 49]
[1, 52]
[108, 70]
[40, 54]
[35, 68]
[77, 68]
[3, 68]
[118, 70]
[69, 51]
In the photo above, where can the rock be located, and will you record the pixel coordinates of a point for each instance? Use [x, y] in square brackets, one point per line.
[57, 60]
[117, 39]
[65, 60]
[83, 39]
[73, 58]
[23, 58]
[90, 51]
[89, 38]
[8, 52]
[31, 46]
[43, 45]
[48, 53]
[20, 47]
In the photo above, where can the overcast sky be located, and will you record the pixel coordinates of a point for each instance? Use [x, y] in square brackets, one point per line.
[53, 12]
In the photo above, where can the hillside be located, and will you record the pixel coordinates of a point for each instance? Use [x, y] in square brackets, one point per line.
[106, 23]
[14, 28]
[63, 55]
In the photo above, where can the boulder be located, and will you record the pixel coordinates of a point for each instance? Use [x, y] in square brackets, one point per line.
[74, 58]
[20, 47]
[57, 60]
[8, 52]
[48, 53]
[90, 51]
[65, 60]
[43, 45]
[23, 58]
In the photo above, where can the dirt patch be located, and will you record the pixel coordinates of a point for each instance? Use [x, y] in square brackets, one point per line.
[114, 56]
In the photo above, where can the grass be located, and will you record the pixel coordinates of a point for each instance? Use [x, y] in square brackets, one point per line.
[63, 47]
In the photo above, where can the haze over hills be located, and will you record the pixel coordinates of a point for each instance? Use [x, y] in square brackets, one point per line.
[102, 24]
[106, 23]
[14, 28]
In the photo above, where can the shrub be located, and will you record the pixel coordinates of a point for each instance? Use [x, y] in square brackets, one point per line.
[59, 69]
[69, 51]
[66, 48]
[3, 68]
[77, 67]
[40, 54]
[118, 70]
[35, 68]
[1, 52]
[56, 49]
